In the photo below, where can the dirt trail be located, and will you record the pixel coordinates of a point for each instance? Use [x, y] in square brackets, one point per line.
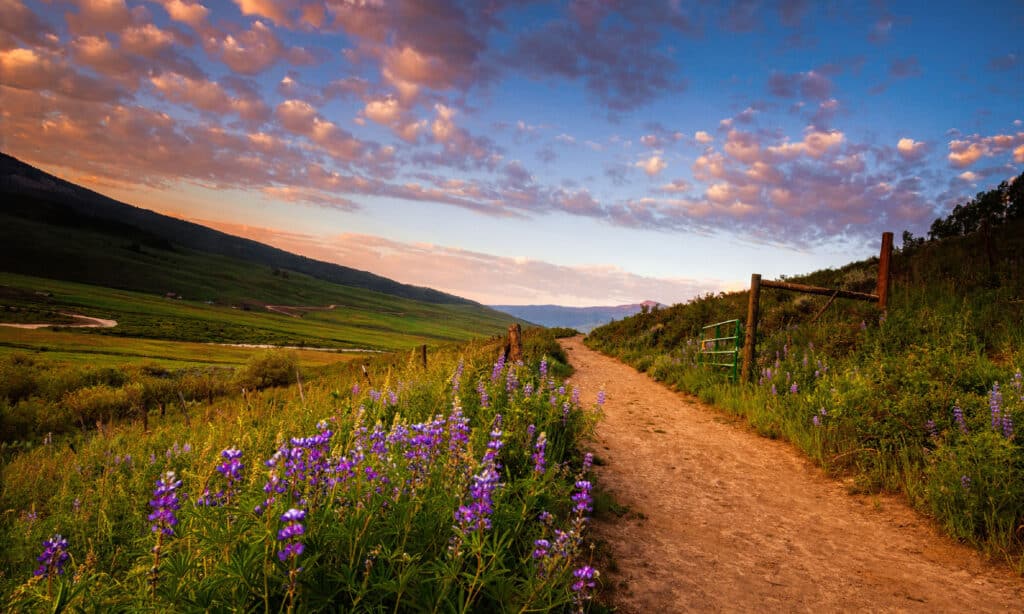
[724, 520]
[83, 322]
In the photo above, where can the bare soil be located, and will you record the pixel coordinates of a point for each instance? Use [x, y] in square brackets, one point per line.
[720, 519]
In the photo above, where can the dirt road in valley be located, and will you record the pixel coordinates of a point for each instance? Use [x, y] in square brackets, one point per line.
[721, 519]
[83, 322]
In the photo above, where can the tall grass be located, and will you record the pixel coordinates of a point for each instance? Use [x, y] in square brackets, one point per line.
[455, 488]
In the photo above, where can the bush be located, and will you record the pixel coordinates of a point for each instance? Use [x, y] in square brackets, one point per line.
[273, 368]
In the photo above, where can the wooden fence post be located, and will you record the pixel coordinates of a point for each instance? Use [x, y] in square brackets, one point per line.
[883, 271]
[751, 337]
[515, 343]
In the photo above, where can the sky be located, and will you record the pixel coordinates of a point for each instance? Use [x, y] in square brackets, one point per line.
[514, 152]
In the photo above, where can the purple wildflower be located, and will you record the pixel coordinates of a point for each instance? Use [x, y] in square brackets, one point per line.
[1007, 425]
[476, 516]
[582, 500]
[995, 403]
[588, 462]
[543, 368]
[355, 390]
[584, 584]
[958, 417]
[54, 556]
[794, 389]
[965, 482]
[164, 504]
[774, 391]
[291, 533]
[538, 453]
[374, 395]
[541, 547]
[600, 397]
[930, 427]
[485, 399]
[457, 376]
[528, 389]
[499, 366]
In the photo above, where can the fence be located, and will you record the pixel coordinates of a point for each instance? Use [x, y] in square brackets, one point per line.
[721, 349]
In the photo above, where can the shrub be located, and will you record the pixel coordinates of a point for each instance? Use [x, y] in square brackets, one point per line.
[273, 368]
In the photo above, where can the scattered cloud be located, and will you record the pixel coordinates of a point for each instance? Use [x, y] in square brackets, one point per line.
[966, 151]
[909, 149]
[652, 165]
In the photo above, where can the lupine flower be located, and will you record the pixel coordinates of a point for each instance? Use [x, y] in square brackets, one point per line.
[1007, 425]
[457, 376]
[374, 395]
[543, 368]
[588, 461]
[584, 578]
[541, 548]
[965, 482]
[355, 390]
[164, 504]
[511, 381]
[291, 533]
[528, 389]
[499, 366]
[794, 389]
[538, 453]
[582, 501]
[54, 556]
[575, 398]
[930, 427]
[476, 516]
[819, 417]
[958, 417]
[600, 397]
[485, 399]
[392, 397]
[774, 391]
[995, 403]
[1017, 383]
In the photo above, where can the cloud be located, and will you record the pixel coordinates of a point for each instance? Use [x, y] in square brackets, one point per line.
[210, 96]
[486, 278]
[191, 13]
[1003, 62]
[909, 149]
[969, 176]
[618, 60]
[676, 186]
[652, 165]
[903, 68]
[703, 137]
[812, 85]
[252, 51]
[965, 152]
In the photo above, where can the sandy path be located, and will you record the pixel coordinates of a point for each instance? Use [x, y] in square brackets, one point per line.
[723, 520]
[83, 322]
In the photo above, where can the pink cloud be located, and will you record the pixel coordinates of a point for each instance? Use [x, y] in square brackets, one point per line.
[965, 152]
[191, 13]
[20, 22]
[210, 96]
[652, 165]
[479, 276]
[254, 50]
[909, 149]
[703, 137]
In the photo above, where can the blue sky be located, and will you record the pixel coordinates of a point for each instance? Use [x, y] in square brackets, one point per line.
[528, 152]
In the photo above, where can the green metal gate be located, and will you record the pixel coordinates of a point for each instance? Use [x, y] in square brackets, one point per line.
[719, 348]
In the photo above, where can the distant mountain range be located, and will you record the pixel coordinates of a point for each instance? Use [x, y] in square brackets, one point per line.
[33, 197]
[583, 319]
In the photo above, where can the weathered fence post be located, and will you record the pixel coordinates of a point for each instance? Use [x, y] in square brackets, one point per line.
[752, 313]
[515, 343]
[423, 355]
[883, 271]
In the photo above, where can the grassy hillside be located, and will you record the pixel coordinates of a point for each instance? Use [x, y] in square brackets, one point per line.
[361, 318]
[925, 399]
[34, 200]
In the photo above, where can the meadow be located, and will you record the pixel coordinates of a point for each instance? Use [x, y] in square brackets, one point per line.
[924, 399]
[459, 487]
[361, 319]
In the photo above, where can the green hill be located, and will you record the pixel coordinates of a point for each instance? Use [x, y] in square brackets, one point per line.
[925, 399]
[81, 226]
[64, 249]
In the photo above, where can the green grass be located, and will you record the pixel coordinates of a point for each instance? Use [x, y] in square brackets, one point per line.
[362, 320]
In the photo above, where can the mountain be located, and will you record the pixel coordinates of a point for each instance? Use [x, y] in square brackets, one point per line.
[32, 195]
[583, 319]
